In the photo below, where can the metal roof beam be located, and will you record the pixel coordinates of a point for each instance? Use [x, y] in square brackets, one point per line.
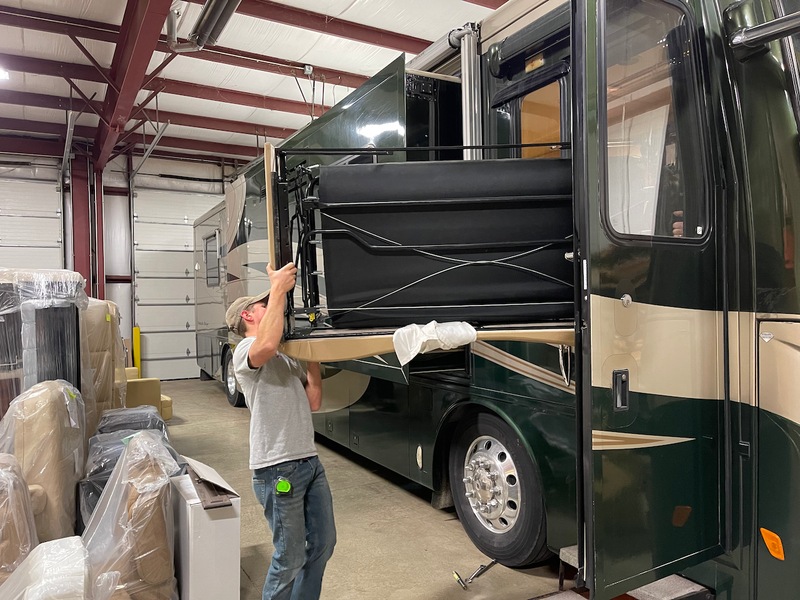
[94, 30]
[41, 66]
[201, 122]
[58, 129]
[322, 23]
[139, 34]
[30, 146]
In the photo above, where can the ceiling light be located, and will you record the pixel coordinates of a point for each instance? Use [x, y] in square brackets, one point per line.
[4, 74]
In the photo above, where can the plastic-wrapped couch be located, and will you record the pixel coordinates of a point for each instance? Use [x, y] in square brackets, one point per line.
[130, 536]
[44, 429]
[105, 450]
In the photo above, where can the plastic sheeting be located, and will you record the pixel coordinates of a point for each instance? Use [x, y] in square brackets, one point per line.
[130, 537]
[107, 354]
[413, 339]
[17, 528]
[138, 418]
[105, 450]
[41, 337]
[55, 570]
[44, 429]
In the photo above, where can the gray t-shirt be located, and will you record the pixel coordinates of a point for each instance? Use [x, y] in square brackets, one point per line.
[280, 421]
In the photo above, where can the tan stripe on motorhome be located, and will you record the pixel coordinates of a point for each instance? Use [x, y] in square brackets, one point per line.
[332, 349]
[668, 351]
[516, 364]
[615, 440]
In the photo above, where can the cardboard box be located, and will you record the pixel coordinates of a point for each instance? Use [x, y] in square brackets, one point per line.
[207, 541]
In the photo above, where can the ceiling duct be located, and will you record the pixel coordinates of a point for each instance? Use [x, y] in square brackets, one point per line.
[206, 31]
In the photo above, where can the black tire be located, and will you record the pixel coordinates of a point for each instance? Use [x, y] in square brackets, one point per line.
[515, 535]
[235, 397]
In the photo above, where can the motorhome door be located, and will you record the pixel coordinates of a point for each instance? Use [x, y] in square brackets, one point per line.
[652, 341]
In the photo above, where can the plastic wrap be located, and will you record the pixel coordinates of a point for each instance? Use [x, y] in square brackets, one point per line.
[130, 537]
[137, 418]
[44, 429]
[104, 452]
[107, 353]
[413, 339]
[17, 528]
[53, 571]
[40, 334]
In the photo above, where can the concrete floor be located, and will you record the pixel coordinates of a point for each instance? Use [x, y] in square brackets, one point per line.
[391, 544]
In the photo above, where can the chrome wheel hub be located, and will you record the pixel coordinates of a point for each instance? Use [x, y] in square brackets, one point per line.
[491, 484]
[231, 378]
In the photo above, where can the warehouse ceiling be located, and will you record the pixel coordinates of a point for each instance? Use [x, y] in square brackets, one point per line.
[110, 61]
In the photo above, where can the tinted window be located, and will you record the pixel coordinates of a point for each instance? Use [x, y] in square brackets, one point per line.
[656, 185]
[540, 121]
[212, 261]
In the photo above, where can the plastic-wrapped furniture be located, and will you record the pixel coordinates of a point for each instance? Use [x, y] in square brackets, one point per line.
[55, 570]
[41, 336]
[17, 528]
[44, 430]
[105, 450]
[107, 354]
[130, 538]
[138, 418]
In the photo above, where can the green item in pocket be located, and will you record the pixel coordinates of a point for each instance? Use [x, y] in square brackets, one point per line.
[283, 487]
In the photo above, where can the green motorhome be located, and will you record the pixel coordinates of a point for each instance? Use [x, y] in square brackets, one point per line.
[604, 191]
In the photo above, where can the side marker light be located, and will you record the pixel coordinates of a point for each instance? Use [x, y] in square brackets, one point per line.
[773, 542]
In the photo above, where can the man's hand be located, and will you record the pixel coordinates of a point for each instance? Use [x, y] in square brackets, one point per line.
[282, 280]
[677, 224]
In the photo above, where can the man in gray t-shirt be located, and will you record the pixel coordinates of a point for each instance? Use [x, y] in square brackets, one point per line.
[288, 478]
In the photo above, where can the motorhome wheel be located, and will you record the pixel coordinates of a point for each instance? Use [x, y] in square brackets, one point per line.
[235, 397]
[497, 491]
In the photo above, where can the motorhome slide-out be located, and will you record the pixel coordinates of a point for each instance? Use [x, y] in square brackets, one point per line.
[604, 190]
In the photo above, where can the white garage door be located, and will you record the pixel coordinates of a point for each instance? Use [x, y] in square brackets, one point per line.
[30, 225]
[164, 276]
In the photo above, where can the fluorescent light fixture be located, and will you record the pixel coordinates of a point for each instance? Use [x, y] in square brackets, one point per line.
[4, 74]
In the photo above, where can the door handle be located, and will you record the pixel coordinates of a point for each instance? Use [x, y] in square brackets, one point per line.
[620, 389]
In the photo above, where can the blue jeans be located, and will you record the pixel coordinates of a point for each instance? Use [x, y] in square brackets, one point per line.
[303, 531]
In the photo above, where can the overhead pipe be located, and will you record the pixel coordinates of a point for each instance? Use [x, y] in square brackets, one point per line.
[207, 29]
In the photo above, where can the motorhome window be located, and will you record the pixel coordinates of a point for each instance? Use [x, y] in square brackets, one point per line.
[540, 121]
[212, 260]
[655, 153]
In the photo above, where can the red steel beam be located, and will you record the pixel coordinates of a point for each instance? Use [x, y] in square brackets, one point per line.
[81, 229]
[169, 154]
[41, 66]
[94, 30]
[206, 92]
[306, 19]
[139, 34]
[269, 64]
[44, 101]
[209, 147]
[213, 123]
[30, 146]
[80, 131]
[44, 127]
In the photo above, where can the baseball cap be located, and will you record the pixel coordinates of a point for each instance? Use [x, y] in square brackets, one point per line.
[233, 316]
